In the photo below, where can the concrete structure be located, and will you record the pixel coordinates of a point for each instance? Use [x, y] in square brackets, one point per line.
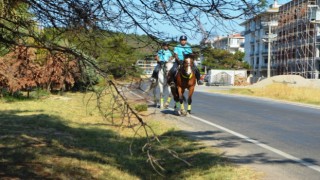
[232, 43]
[298, 39]
[258, 39]
[221, 77]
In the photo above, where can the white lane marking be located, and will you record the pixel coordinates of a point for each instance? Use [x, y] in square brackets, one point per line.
[277, 151]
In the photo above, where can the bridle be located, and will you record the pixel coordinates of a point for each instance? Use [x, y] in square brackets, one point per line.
[186, 72]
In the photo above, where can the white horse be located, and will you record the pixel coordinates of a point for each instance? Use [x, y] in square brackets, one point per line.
[163, 85]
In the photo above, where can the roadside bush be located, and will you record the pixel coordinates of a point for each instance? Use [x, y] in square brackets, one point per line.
[141, 107]
[39, 93]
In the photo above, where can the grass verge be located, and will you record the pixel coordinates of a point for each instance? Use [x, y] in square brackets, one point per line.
[60, 138]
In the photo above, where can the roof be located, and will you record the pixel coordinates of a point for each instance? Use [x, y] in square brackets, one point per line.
[236, 36]
[268, 11]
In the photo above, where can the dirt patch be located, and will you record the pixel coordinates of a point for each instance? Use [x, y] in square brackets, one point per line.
[291, 80]
[60, 98]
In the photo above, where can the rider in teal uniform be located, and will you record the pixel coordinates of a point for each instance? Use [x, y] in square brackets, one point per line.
[163, 56]
[179, 51]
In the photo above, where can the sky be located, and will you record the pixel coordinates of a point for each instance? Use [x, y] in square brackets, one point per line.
[222, 30]
[196, 38]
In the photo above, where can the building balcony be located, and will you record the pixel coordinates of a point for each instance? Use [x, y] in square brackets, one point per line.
[234, 46]
[263, 67]
[243, 33]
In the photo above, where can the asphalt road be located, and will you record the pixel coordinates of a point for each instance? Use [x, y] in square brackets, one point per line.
[282, 138]
[288, 134]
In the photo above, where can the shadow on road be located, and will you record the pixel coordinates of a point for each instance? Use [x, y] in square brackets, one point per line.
[228, 141]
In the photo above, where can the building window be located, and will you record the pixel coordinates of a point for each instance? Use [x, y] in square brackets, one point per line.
[257, 60]
[266, 60]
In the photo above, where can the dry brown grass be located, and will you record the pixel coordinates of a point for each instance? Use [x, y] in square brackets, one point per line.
[283, 92]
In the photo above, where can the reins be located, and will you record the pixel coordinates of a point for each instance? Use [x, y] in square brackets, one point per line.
[184, 76]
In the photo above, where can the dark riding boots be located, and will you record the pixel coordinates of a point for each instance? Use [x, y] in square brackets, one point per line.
[155, 73]
[197, 73]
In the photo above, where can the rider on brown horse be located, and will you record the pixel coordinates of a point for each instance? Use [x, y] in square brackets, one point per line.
[179, 51]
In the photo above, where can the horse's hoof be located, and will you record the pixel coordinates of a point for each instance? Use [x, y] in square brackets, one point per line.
[166, 106]
[183, 113]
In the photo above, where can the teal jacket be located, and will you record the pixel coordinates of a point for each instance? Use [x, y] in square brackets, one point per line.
[180, 50]
[164, 55]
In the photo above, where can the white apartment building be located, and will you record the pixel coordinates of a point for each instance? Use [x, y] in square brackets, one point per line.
[256, 40]
[232, 42]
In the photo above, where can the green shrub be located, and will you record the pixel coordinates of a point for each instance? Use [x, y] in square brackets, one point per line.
[12, 96]
[141, 107]
[39, 92]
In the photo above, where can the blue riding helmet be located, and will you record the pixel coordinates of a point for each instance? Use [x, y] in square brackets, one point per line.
[165, 44]
[183, 37]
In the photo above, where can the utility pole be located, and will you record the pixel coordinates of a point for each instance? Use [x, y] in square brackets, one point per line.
[271, 37]
[205, 36]
[269, 51]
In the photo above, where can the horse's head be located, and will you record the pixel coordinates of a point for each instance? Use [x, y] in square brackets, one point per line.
[166, 66]
[169, 65]
[188, 63]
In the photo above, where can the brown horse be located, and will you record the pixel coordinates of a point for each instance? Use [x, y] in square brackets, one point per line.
[185, 79]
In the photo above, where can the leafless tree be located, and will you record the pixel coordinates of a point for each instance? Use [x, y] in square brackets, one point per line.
[22, 23]
[127, 16]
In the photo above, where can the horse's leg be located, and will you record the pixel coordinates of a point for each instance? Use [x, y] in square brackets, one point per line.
[191, 90]
[168, 97]
[181, 92]
[174, 91]
[161, 95]
[155, 97]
